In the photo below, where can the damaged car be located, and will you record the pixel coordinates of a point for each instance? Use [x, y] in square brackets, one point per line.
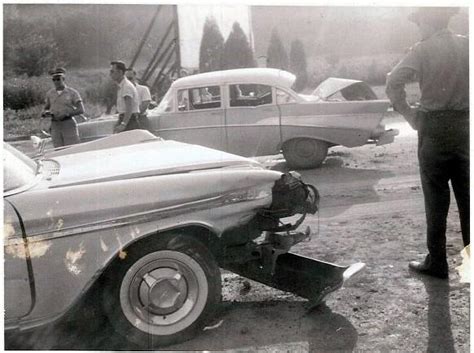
[143, 226]
[255, 112]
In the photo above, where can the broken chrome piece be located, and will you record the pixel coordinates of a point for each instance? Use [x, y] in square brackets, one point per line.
[276, 244]
[309, 278]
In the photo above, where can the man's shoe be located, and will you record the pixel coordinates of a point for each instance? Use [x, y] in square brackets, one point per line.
[422, 268]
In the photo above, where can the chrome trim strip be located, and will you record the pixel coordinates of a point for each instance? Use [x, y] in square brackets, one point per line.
[141, 217]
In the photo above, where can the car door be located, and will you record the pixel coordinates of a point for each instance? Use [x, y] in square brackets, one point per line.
[252, 120]
[198, 117]
[18, 283]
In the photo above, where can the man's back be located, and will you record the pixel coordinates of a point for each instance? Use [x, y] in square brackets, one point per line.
[443, 71]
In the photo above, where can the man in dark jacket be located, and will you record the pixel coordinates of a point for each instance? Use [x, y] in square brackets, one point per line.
[440, 63]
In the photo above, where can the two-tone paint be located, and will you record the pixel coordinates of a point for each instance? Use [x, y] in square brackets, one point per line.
[264, 129]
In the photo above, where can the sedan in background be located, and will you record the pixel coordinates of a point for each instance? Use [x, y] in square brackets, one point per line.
[254, 112]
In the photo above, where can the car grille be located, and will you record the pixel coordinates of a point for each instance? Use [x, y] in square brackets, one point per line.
[50, 167]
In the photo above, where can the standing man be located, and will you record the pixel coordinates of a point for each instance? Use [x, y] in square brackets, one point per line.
[127, 99]
[62, 104]
[440, 63]
[144, 98]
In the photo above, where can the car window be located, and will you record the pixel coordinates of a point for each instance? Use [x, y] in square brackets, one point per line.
[199, 98]
[284, 97]
[166, 104]
[18, 169]
[249, 95]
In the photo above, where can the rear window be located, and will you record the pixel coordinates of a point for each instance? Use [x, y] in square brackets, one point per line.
[250, 95]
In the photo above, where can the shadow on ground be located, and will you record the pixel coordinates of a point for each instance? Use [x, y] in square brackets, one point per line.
[241, 326]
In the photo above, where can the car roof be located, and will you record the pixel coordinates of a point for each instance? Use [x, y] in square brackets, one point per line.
[267, 76]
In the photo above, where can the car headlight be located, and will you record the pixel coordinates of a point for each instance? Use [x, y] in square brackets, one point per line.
[252, 194]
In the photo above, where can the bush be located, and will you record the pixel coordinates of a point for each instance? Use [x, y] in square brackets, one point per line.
[23, 92]
[34, 55]
[21, 123]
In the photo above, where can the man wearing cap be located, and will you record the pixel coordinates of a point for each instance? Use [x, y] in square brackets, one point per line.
[62, 104]
[144, 98]
[440, 63]
[127, 99]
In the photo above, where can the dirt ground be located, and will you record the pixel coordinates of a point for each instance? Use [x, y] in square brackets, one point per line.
[371, 211]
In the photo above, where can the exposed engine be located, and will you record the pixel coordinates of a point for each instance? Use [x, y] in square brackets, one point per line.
[290, 196]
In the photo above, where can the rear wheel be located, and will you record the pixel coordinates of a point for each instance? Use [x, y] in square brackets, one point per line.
[304, 153]
[165, 294]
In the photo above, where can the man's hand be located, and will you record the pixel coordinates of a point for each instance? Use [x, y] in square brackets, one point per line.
[411, 117]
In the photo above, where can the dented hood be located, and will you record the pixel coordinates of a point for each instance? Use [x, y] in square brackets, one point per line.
[350, 89]
[133, 154]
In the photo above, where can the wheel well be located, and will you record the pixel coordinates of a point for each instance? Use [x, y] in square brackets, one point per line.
[330, 144]
[200, 233]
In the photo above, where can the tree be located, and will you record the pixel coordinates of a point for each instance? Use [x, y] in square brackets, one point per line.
[237, 50]
[276, 54]
[34, 55]
[298, 64]
[212, 47]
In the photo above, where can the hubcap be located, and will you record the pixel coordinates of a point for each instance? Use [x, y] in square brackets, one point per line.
[305, 148]
[163, 292]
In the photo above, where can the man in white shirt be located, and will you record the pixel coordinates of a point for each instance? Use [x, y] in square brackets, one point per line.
[127, 99]
[144, 98]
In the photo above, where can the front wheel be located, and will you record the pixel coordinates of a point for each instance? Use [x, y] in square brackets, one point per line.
[304, 153]
[163, 295]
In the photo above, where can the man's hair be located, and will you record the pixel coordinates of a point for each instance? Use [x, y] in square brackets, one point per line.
[120, 65]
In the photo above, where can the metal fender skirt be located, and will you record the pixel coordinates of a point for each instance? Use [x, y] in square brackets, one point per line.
[309, 278]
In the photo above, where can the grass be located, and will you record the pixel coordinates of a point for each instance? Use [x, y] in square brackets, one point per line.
[28, 92]
[26, 122]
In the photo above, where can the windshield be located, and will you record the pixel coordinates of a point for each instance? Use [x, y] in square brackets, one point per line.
[166, 104]
[18, 169]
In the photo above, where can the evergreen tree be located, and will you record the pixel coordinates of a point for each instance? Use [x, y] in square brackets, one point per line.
[276, 54]
[212, 47]
[298, 64]
[237, 50]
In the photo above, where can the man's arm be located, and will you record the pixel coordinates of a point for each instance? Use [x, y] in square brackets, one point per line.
[146, 99]
[126, 115]
[144, 106]
[396, 81]
[47, 104]
[78, 108]
[404, 72]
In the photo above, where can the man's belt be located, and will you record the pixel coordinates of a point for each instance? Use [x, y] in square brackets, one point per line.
[444, 123]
